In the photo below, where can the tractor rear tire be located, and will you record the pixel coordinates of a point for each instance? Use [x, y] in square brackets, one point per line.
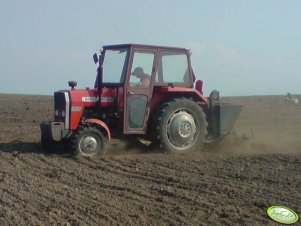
[88, 141]
[180, 126]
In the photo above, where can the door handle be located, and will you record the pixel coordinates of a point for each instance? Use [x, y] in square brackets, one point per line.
[131, 93]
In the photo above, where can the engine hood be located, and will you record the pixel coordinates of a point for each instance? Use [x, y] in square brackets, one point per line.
[83, 97]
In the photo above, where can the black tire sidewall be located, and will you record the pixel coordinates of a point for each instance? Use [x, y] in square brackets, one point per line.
[199, 118]
[89, 131]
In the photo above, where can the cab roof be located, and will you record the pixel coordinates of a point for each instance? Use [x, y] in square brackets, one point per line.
[130, 45]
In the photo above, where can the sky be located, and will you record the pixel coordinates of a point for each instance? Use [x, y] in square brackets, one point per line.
[239, 47]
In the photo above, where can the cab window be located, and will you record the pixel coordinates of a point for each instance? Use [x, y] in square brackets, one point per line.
[172, 68]
[142, 69]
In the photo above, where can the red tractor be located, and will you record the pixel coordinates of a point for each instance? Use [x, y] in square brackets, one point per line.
[140, 90]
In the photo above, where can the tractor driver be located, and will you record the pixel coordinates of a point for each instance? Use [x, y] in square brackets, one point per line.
[144, 78]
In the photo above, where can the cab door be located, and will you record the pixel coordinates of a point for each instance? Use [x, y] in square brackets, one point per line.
[138, 92]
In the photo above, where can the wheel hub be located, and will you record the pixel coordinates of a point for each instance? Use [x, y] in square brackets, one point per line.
[185, 129]
[181, 129]
[88, 145]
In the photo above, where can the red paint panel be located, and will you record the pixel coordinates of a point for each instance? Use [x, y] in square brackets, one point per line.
[199, 86]
[192, 91]
[108, 96]
[82, 98]
[120, 97]
[101, 124]
[79, 99]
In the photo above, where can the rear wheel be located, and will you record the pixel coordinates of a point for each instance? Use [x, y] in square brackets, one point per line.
[88, 141]
[181, 126]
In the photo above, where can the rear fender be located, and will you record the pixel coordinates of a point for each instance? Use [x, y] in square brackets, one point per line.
[101, 124]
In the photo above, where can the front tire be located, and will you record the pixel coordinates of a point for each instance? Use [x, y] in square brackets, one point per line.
[88, 141]
[181, 126]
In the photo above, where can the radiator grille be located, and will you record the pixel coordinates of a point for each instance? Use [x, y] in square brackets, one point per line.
[59, 106]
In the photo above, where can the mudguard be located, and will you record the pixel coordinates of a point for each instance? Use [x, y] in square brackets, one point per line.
[101, 124]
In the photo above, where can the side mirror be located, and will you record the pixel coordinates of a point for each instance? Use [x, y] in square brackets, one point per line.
[95, 58]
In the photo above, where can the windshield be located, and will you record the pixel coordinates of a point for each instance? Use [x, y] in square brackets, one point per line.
[114, 65]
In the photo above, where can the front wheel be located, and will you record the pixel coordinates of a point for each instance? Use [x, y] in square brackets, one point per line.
[88, 141]
[181, 126]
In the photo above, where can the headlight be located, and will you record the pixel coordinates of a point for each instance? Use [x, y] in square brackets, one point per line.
[59, 113]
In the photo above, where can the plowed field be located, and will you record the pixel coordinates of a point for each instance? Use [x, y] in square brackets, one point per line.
[232, 182]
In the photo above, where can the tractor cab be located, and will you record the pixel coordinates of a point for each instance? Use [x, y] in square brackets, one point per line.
[142, 76]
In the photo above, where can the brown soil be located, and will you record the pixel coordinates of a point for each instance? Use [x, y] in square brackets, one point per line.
[232, 182]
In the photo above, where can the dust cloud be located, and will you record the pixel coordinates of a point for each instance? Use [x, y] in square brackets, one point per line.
[264, 125]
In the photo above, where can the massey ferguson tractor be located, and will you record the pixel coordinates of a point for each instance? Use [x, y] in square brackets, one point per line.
[140, 90]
